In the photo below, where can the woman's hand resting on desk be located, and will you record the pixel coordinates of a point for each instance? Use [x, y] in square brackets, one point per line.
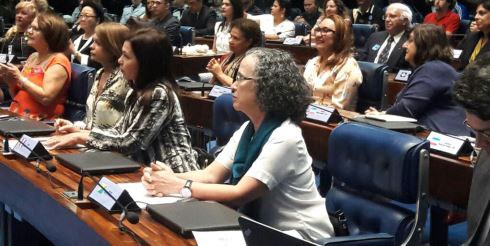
[67, 140]
[160, 180]
[63, 126]
[373, 111]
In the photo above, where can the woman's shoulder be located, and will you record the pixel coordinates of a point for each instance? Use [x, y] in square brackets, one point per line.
[288, 132]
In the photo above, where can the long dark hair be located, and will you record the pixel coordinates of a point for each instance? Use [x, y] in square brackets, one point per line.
[237, 6]
[154, 54]
[431, 43]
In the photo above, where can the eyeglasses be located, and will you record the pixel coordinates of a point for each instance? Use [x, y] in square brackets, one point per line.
[483, 133]
[240, 78]
[83, 16]
[323, 30]
[151, 3]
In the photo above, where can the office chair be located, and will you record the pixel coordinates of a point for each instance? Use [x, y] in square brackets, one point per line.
[187, 33]
[464, 25]
[300, 29]
[375, 170]
[372, 91]
[82, 78]
[362, 33]
[225, 120]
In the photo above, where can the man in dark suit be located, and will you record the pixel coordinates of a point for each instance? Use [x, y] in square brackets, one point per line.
[199, 16]
[471, 91]
[387, 46]
[367, 13]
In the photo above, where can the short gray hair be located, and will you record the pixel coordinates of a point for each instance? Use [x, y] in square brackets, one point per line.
[281, 89]
[405, 11]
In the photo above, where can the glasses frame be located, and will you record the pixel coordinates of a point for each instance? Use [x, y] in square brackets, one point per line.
[478, 132]
[83, 16]
[322, 30]
[240, 78]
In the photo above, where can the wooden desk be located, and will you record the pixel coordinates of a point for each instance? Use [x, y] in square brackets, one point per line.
[190, 65]
[301, 53]
[61, 221]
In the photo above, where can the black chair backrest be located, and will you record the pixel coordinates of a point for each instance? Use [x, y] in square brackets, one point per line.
[2, 26]
[464, 25]
[82, 78]
[300, 29]
[372, 92]
[362, 33]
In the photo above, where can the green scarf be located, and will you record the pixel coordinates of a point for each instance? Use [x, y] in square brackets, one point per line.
[250, 146]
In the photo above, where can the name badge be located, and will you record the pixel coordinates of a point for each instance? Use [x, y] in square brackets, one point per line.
[376, 47]
[403, 75]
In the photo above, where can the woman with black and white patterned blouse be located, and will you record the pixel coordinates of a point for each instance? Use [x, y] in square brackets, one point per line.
[153, 127]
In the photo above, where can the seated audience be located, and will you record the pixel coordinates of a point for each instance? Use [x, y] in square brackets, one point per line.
[152, 127]
[385, 47]
[79, 49]
[244, 35]
[334, 74]
[368, 13]
[336, 7]
[471, 91]
[249, 8]
[163, 20]
[231, 10]
[311, 14]
[105, 103]
[444, 16]
[41, 5]
[40, 90]
[427, 95]
[75, 14]
[136, 9]
[14, 42]
[199, 16]
[477, 43]
[276, 26]
[266, 161]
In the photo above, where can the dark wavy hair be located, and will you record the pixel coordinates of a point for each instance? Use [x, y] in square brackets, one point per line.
[432, 44]
[54, 30]
[153, 51]
[472, 89]
[341, 8]
[281, 89]
[237, 6]
[249, 29]
[485, 4]
[286, 5]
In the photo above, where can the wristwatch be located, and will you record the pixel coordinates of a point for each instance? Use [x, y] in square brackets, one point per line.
[186, 192]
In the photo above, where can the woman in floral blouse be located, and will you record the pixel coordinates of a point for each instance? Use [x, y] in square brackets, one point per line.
[153, 127]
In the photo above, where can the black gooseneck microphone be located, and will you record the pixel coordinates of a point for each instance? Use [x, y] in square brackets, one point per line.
[49, 166]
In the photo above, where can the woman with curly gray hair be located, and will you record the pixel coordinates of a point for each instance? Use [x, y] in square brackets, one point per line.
[266, 160]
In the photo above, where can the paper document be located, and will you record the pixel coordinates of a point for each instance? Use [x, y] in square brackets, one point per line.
[219, 238]
[389, 118]
[138, 193]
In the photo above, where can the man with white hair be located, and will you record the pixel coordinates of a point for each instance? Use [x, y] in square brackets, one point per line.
[386, 46]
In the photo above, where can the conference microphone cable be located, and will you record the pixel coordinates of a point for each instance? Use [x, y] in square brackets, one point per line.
[39, 159]
[130, 216]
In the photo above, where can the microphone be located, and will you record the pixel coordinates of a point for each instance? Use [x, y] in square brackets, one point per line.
[48, 165]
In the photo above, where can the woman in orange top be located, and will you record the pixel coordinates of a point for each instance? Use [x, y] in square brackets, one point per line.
[40, 90]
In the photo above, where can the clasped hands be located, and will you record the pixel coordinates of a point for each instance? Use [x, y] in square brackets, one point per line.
[10, 73]
[159, 180]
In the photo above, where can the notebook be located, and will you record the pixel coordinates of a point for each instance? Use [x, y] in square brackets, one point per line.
[185, 217]
[187, 84]
[18, 127]
[98, 163]
[257, 234]
[396, 126]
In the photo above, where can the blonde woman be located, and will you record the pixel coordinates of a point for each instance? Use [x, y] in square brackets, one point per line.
[15, 42]
[334, 73]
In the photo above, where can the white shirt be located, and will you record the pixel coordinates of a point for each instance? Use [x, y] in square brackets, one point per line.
[284, 166]
[222, 38]
[396, 39]
[132, 11]
[284, 29]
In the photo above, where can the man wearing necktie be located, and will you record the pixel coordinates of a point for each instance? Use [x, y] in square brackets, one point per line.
[199, 16]
[386, 46]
